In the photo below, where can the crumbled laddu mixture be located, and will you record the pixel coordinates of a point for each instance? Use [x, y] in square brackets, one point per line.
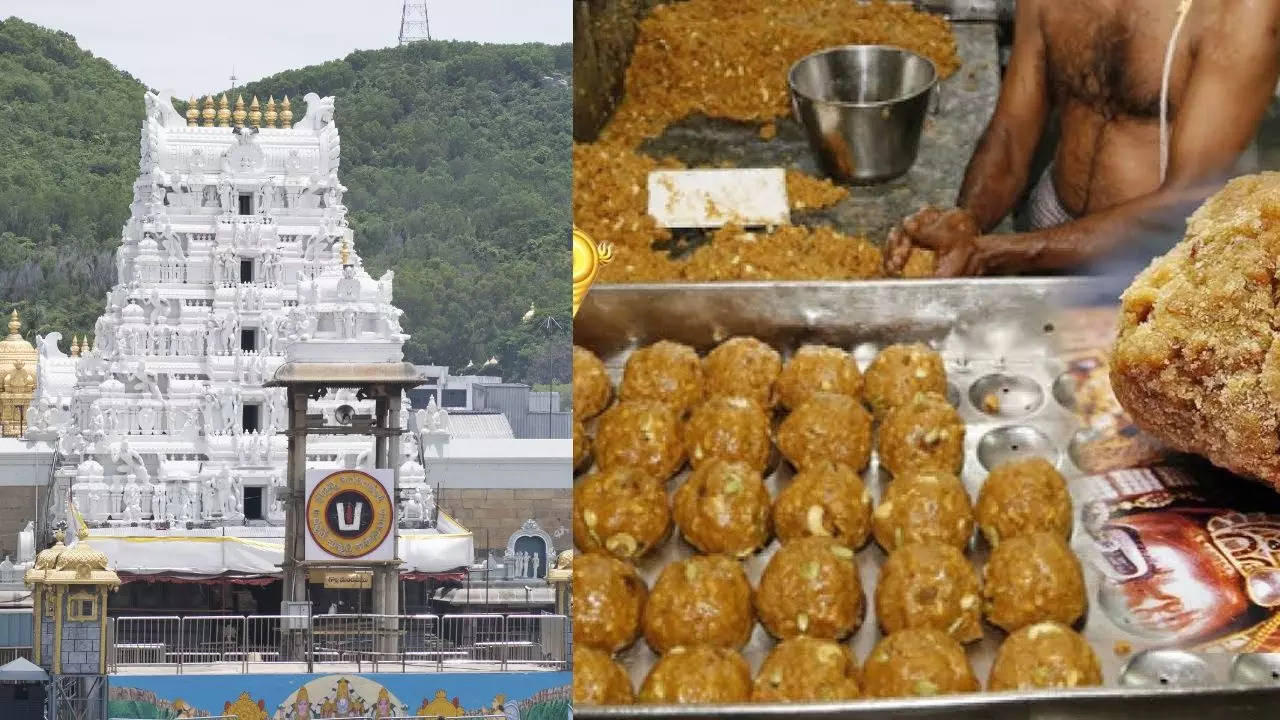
[806, 192]
[920, 263]
[1196, 363]
[792, 252]
[729, 59]
[611, 197]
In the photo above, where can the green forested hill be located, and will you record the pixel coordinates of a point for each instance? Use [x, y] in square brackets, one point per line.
[456, 157]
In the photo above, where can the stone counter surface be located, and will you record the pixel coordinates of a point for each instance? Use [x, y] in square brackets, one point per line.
[965, 103]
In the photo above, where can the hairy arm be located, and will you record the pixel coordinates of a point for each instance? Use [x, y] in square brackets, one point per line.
[998, 171]
[1232, 80]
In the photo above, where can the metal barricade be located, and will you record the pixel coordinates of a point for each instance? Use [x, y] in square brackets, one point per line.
[213, 639]
[408, 643]
[470, 640]
[420, 641]
[535, 640]
[342, 638]
[148, 640]
[263, 641]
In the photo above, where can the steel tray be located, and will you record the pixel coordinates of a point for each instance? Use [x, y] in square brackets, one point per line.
[995, 335]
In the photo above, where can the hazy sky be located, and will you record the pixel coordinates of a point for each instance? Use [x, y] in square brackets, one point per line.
[191, 47]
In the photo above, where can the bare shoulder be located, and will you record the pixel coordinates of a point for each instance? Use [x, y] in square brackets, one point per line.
[1224, 22]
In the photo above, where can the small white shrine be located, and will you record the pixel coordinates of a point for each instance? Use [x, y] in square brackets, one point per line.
[236, 257]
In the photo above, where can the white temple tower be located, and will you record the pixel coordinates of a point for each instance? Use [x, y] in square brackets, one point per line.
[234, 251]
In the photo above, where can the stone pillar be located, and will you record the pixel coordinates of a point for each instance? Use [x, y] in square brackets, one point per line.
[295, 577]
[386, 577]
[393, 442]
[295, 574]
[380, 439]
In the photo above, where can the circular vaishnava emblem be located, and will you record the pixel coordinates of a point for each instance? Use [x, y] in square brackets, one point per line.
[349, 514]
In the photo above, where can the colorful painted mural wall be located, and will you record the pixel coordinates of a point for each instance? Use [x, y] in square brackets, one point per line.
[517, 696]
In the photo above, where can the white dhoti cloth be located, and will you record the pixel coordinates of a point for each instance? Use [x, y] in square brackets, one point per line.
[1044, 209]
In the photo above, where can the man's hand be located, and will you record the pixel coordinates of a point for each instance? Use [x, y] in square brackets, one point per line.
[952, 234]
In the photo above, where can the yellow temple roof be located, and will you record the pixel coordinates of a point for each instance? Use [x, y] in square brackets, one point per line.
[15, 347]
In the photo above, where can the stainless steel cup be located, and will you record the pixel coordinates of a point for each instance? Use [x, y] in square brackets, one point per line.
[863, 108]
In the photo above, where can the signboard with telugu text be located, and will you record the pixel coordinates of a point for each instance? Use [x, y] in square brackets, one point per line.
[350, 515]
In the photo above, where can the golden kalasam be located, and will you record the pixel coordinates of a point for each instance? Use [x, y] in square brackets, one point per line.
[1196, 362]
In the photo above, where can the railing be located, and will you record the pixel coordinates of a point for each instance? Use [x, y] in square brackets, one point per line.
[9, 654]
[238, 643]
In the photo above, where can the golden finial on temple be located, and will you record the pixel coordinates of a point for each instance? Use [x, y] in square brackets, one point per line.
[270, 117]
[346, 254]
[208, 114]
[193, 112]
[255, 113]
[75, 346]
[224, 111]
[238, 116]
[15, 323]
[286, 114]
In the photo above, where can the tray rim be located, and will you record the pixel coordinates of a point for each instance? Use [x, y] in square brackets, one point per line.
[982, 703]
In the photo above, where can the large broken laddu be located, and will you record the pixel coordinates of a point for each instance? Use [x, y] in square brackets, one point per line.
[1196, 362]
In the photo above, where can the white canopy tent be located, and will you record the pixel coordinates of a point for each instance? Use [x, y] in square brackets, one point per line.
[236, 551]
[22, 670]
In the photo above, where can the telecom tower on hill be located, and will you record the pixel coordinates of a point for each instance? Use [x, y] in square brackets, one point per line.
[413, 22]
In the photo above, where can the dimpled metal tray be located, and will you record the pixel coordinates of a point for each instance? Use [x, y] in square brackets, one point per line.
[996, 337]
